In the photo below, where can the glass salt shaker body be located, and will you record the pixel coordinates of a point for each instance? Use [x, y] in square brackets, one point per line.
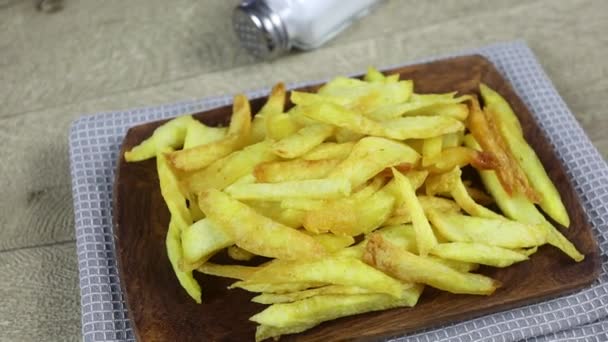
[269, 28]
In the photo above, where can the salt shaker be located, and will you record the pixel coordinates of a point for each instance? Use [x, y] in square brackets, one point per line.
[269, 28]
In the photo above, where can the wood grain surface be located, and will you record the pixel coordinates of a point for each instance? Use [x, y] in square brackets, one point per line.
[161, 310]
[110, 55]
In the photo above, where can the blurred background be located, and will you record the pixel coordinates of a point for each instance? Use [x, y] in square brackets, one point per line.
[62, 59]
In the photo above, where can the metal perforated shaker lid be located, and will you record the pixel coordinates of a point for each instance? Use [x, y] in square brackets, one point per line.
[260, 30]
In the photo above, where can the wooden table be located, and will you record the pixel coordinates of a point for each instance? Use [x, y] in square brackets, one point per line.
[105, 55]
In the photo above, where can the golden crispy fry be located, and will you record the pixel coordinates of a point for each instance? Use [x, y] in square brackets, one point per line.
[229, 169]
[431, 148]
[201, 240]
[458, 111]
[174, 251]
[294, 170]
[169, 188]
[442, 183]
[508, 125]
[237, 253]
[419, 127]
[351, 216]
[332, 270]
[310, 188]
[333, 114]
[392, 78]
[494, 232]
[302, 204]
[228, 271]
[198, 134]
[373, 75]
[366, 97]
[425, 239]
[302, 141]
[330, 150]
[199, 157]
[344, 135]
[404, 237]
[278, 125]
[423, 105]
[453, 139]
[169, 135]
[484, 129]
[461, 196]
[274, 298]
[401, 214]
[258, 130]
[306, 313]
[500, 106]
[273, 287]
[415, 127]
[403, 168]
[256, 233]
[478, 253]
[333, 243]
[409, 267]
[290, 217]
[370, 156]
[460, 156]
[518, 207]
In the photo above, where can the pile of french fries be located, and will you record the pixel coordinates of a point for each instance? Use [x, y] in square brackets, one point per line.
[356, 195]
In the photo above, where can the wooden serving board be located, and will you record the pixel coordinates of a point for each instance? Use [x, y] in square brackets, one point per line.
[161, 311]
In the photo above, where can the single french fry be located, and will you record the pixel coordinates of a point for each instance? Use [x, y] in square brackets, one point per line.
[351, 216]
[461, 196]
[370, 156]
[229, 169]
[228, 271]
[307, 313]
[254, 232]
[425, 238]
[201, 156]
[494, 232]
[518, 207]
[421, 105]
[310, 188]
[478, 253]
[237, 253]
[431, 149]
[509, 127]
[330, 150]
[198, 134]
[274, 298]
[336, 270]
[302, 141]
[174, 252]
[169, 135]
[201, 240]
[409, 267]
[294, 170]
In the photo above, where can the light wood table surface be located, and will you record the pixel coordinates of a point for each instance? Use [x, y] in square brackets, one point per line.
[108, 55]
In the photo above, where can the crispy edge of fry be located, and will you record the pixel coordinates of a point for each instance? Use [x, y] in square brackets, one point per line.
[292, 170]
[239, 272]
[254, 232]
[425, 238]
[413, 268]
[238, 133]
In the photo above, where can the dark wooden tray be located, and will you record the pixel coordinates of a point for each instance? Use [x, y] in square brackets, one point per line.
[161, 311]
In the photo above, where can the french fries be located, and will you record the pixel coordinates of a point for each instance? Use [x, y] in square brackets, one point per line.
[361, 195]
